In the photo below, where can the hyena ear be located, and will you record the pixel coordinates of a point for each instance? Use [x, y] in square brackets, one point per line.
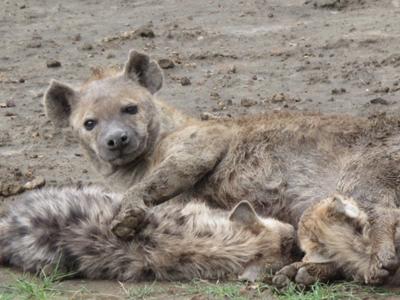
[58, 102]
[345, 207]
[244, 214]
[142, 69]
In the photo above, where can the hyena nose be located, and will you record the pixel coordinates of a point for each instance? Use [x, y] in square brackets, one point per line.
[117, 140]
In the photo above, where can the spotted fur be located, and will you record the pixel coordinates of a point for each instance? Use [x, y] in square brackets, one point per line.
[69, 228]
[282, 163]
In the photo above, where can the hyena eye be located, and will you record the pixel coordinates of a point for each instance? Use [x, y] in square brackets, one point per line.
[90, 124]
[130, 109]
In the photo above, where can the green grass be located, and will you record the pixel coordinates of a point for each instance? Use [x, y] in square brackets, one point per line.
[217, 291]
[142, 292]
[28, 287]
[46, 288]
[320, 291]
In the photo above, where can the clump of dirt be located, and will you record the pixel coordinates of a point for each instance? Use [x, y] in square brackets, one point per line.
[336, 4]
[14, 181]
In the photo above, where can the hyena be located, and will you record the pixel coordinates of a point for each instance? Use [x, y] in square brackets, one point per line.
[69, 229]
[282, 163]
[335, 236]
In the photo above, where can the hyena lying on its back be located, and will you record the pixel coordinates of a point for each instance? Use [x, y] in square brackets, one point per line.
[335, 236]
[71, 228]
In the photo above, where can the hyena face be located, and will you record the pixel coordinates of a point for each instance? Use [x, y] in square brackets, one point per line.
[335, 233]
[327, 225]
[115, 117]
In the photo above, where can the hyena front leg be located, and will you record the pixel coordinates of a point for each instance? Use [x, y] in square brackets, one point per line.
[382, 234]
[185, 164]
[306, 273]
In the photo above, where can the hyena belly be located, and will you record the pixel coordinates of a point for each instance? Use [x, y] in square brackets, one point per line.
[69, 229]
[281, 180]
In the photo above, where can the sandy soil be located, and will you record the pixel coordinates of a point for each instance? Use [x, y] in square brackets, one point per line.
[240, 57]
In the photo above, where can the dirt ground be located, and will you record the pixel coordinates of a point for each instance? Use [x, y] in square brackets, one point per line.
[230, 58]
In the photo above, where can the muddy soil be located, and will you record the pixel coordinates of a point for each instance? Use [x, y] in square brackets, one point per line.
[220, 57]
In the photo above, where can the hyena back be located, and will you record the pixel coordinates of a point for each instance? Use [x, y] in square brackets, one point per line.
[70, 229]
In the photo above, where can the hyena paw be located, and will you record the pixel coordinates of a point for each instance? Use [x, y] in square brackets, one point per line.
[281, 281]
[387, 259]
[376, 273]
[285, 275]
[128, 221]
[303, 277]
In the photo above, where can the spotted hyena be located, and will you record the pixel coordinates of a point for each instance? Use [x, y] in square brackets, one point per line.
[335, 234]
[281, 162]
[69, 229]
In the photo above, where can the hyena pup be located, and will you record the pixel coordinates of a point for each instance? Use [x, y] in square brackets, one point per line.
[335, 236]
[69, 229]
[281, 163]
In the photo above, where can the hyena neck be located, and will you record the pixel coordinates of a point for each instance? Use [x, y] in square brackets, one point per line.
[170, 118]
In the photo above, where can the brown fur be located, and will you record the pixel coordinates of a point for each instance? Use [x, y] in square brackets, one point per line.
[335, 235]
[281, 163]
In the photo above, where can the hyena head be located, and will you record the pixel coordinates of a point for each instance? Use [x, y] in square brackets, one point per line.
[115, 117]
[329, 225]
[244, 215]
[279, 237]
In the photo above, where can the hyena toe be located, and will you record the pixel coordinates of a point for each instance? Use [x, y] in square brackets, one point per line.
[281, 281]
[128, 222]
[304, 277]
[286, 275]
[376, 274]
[126, 227]
[388, 259]
[377, 278]
[290, 271]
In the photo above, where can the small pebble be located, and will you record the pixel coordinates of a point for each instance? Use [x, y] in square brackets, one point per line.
[10, 103]
[166, 63]
[34, 44]
[37, 182]
[77, 37]
[247, 102]
[185, 81]
[379, 100]
[87, 47]
[145, 31]
[53, 63]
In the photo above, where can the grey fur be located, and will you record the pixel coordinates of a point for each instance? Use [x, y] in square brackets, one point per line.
[71, 228]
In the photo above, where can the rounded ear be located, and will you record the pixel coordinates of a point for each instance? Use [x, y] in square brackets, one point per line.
[345, 207]
[244, 214]
[58, 101]
[141, 69]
